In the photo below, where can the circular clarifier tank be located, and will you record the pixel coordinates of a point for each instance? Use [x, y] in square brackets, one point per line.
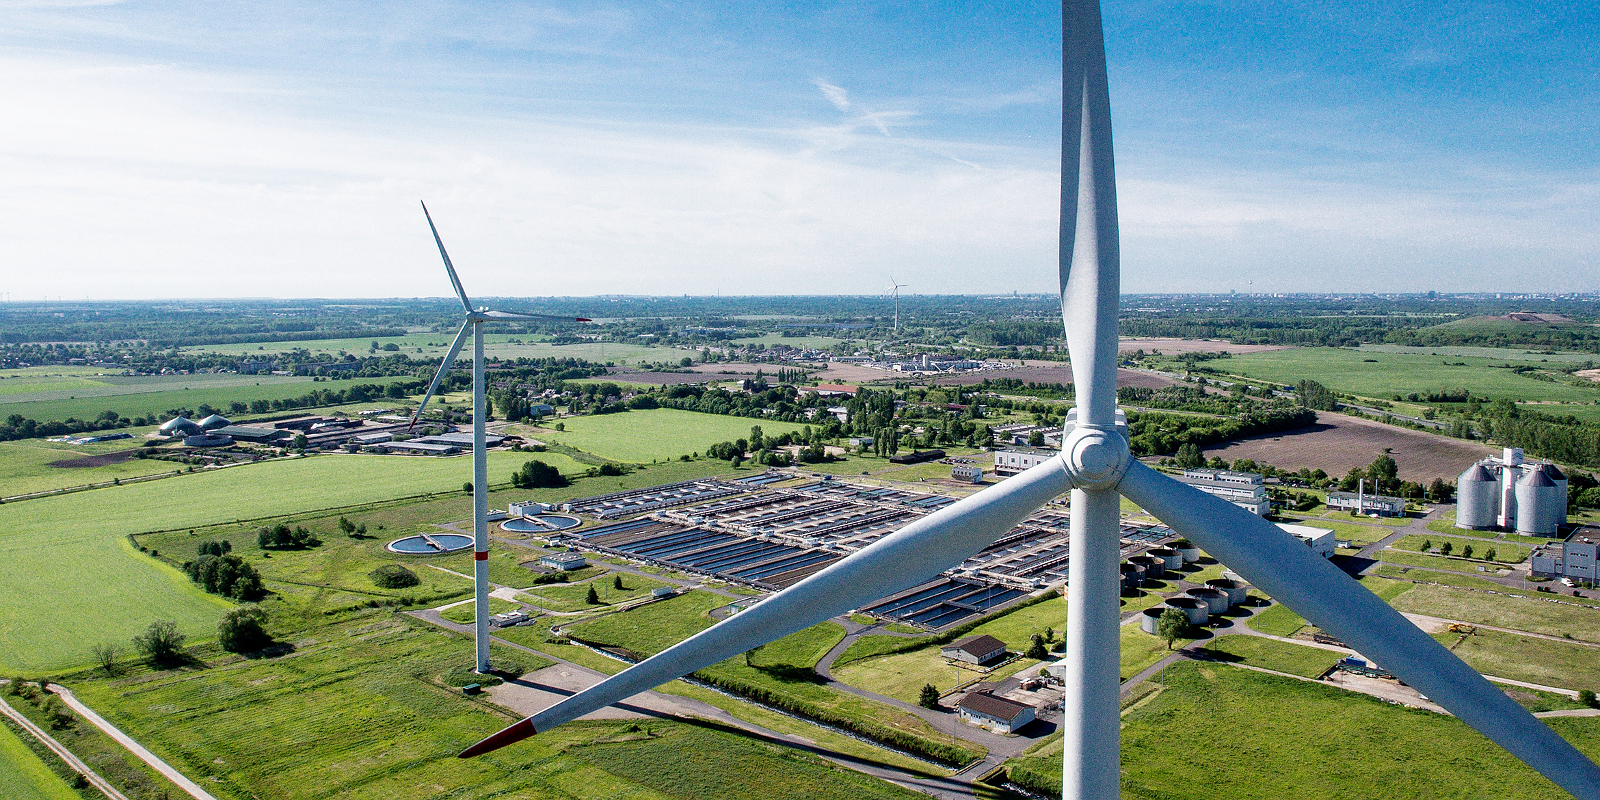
[430, 543]
[540, 523]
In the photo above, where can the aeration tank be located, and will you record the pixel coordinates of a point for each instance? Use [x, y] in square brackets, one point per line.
[1154, 567]
[1186, 549]
[1150, 620]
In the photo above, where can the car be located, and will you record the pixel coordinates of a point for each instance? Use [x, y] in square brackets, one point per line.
[1567, 582]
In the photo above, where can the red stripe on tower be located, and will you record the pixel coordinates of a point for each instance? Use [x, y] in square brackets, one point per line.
[480, 555]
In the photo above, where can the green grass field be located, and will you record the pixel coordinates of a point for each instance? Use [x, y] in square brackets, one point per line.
[1503, 611]
[1292, 740]
[424, 345]
[573, 597]
[1527, 658]
[1388, 374]
[1494, 353]
[1507, 552]
[23, 776]
[1309, 662]
[63, 553]
[26, 466]
[466, 613]
[136, 400]
[663, 433]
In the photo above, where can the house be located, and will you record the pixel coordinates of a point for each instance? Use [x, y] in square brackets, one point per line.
[834, 390]
[980, 650]
[995, 713]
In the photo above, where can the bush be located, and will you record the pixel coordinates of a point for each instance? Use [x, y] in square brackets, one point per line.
[394, 576]
[282, 537]
[536, 474]
[929, 698]
[241, 630]
[210, 548]
[229, 576]
[1586, 697]
[612, 470]
[161, 644]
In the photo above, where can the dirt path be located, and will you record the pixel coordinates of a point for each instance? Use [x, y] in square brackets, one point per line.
[171, 774]
[61, 751]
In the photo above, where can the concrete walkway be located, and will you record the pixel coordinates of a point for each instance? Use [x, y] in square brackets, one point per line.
[171, 774]
[61, 751]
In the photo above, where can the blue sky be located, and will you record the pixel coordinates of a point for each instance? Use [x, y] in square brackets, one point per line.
[246, 149]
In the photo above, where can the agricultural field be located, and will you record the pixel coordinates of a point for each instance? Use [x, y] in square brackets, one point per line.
[655, 434]
[1338, 443]
[155, 399]
[1359, 746]
[1382, 375]
[1493, 353]
[23, 776]
[35, 465]
[66, 552]
[434, 345]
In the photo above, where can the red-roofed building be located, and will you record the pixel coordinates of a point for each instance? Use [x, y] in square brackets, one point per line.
[834, 389]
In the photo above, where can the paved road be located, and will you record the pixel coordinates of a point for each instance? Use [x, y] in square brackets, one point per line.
[182, 781]
[61, 751]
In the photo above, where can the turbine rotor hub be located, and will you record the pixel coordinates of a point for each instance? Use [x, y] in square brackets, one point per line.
[1095, 458]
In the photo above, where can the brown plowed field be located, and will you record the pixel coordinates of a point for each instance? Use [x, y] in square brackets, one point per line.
[1337, 443]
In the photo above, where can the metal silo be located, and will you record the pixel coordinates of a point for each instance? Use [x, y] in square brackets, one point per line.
[1558, 511]
[1477, 498]
[1536, 495]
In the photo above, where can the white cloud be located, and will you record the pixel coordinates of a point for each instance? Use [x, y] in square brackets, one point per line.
[836, 95]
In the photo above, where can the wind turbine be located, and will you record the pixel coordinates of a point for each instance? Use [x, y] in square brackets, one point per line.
[1096, 466]
[475, 319]
[895, 288]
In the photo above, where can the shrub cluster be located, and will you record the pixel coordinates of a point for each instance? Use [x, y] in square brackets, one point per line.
[394, 576]
[227, 575]
[281, 537]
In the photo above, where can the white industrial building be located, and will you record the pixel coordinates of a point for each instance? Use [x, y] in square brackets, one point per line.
[1320, 540]
[971, 473]
[1013, 460]
[566, 562]
[1512, 493]
[1243, 489]
[996, 713]
[1362, 503]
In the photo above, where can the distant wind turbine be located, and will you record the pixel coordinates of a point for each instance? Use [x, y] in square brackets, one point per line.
[475, 318]
[895, 287]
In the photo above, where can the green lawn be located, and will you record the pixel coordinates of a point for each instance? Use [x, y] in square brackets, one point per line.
[1432, 576]
[1527, 658]
[23, 776]
[1503, 611]
[1255, 651]
[662, 433]
[1140, 650]
[650, 629]
[1292, 740]
[573, 597]
[1383, 375]
[58, 554]
[136, 400]
[1507, 552]
[466, 613]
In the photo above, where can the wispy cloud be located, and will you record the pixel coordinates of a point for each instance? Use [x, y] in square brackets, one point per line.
[836, 95]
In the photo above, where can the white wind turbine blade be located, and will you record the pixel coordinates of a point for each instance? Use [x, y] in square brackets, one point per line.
[1287, 570]
[894, 563]
[448, 267]
[516, 315]
[444, 369]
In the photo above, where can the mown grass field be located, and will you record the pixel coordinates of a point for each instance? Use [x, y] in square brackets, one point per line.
[1508, 552]
[360, 712]
[1383, 375]
[1290, 740]
[1278, 620]
[1503, 611]
[62, 555]
[23, 776]
[662, 433]
[466, 613]
[1309, 662]
[1566, 665]
[574, 597]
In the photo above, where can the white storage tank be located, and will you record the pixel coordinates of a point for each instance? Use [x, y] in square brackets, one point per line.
[1477, 499]
[1186, 549]
[1216, 602]
[1199, 611]
[1150, 620]
[1237, 592]
[1536, 504]
[1172, 559]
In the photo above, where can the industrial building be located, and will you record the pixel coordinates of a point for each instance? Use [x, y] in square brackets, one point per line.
[970, 473]
[1013, 460]
[1321, 540]
[1577, 558]
[1243, 489]
[980, 650]
[995, 713]
[1364, 504]
[565, 562]
[1512, 493]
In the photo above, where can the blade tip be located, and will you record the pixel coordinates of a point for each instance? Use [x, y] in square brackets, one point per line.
[510, 735]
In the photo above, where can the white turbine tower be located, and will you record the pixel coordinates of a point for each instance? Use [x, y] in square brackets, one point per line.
[475, 319]
[1095, 466]
[895, 288]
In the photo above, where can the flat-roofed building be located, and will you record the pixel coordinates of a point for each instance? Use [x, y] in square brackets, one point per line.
[1361, 503]
[1013, 460]
[971, 473]
[566, 562]
[1321, 540]
[1243, 489]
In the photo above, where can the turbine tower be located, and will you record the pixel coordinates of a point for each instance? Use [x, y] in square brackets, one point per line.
[1096, 466]
[475, 319]
[895, 288]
